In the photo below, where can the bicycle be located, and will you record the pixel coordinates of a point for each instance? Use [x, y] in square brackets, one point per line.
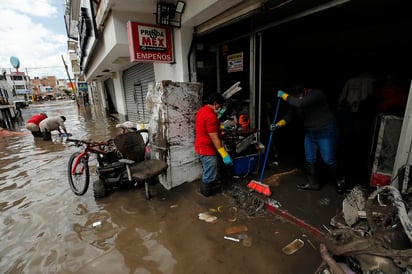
[78, 165]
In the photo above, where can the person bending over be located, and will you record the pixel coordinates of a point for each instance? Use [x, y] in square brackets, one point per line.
[52, 123]
[33, 124]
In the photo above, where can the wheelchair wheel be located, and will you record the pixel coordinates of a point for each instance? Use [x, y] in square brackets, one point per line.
[79, 180]
[18, 113]
[146, 190]
[99, 189]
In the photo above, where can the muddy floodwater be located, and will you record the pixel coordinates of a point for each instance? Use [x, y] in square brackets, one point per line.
[45, 228]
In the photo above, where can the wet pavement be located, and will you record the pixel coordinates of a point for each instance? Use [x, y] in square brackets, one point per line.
[45, 228]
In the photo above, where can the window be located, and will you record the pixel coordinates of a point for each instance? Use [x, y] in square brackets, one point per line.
[17, 77]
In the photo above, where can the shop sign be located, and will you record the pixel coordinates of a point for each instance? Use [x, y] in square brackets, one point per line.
[235, 62]
[150, 43]
[82, 86]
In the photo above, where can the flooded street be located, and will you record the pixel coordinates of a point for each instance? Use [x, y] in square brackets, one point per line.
[45, 228]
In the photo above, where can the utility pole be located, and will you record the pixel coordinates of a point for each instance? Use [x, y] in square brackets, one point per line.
[71, 83]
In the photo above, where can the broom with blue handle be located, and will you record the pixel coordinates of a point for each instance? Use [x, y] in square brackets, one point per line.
[258, 186]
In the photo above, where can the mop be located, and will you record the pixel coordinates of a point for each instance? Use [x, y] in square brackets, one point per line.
[258, 186]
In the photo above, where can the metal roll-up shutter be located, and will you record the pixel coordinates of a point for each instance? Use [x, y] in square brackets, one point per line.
[136, 80]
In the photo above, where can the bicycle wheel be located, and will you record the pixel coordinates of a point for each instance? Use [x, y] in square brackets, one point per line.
[79, 180]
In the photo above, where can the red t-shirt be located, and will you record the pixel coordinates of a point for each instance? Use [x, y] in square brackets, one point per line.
[36, 119]
[206, 122]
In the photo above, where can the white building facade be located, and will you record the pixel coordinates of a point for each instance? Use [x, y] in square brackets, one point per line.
[264, 44]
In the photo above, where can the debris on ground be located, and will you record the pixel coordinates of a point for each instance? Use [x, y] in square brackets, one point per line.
[372, 234]
[231, 239]
[97, 224]
[236, 229]
[207, 217]
[293, 246]
[244, 238]
[247, 241]
[218, 209]
[247, 201]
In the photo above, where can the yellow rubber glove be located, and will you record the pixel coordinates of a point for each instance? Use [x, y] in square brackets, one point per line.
[225, 156]
[283, 95]
[279, 124]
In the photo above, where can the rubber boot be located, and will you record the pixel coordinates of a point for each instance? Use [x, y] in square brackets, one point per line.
[206, 189]
[339, 180]
[313, 182]
[47, 136]
[216, 186]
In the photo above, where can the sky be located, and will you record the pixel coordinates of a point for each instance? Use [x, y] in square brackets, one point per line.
[34, 31]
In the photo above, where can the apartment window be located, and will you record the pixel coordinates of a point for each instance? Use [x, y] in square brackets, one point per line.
[17, 77]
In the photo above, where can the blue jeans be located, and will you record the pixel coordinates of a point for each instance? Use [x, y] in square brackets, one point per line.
[209, 164]
[325, 142]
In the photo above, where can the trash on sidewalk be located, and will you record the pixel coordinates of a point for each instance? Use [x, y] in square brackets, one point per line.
[236, 229]
[311, 244]
[232, 212]
[247, 241]
[97, 224]
[231, 239]
[274, 203]
[247, 201]
[292, 247]
[218, 209]
[374, 230]
[207, 217]
[244, 238]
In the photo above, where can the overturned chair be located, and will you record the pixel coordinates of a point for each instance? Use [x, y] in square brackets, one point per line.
[132, 148]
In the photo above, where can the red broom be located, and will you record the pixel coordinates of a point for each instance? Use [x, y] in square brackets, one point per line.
[258, 186]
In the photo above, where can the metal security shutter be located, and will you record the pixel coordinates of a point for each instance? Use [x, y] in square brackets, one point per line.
[136, 80]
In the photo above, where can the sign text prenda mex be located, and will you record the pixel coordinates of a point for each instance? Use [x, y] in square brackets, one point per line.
[150, 43]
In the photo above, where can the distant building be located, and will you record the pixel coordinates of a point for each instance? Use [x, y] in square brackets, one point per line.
[15, 85]
[46, 86]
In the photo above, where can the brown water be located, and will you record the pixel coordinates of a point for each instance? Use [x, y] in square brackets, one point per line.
[45, 228]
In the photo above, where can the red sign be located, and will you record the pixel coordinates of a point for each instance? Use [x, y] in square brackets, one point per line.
[150, 43]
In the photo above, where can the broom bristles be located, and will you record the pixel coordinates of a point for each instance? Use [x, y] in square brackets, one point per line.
[259, 187]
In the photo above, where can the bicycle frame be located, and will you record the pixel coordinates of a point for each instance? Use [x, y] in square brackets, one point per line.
[84, 154]
[78, 167]
[91, 147]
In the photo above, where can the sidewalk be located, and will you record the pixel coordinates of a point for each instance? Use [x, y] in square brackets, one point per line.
[302, 215]
[314, 208]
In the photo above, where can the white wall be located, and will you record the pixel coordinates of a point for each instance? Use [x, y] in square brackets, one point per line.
[404, 151]
[178, 72]
[120, 96]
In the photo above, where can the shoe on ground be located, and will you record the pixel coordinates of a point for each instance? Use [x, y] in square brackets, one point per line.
[308, 186]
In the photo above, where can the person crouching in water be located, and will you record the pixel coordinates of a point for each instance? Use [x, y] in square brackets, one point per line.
[208, 142]
[52, 123]
[33, 124]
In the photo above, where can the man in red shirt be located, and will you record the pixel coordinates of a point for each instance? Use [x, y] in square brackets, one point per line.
[33, 124]
[208, 142]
